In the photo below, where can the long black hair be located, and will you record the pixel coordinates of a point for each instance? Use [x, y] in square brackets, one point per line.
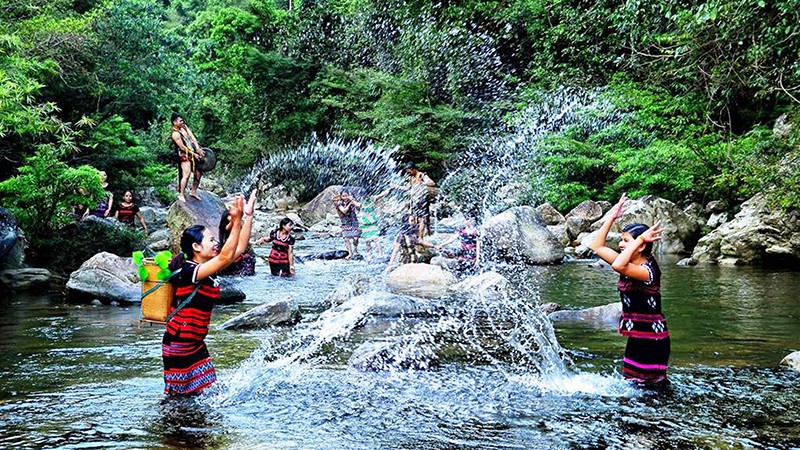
[285, 221]
[636, 230]
[224, 233]
[190, 236]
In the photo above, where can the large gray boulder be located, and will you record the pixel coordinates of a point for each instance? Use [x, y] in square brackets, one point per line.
[12, 243]
[758, 234]
[397, 353]
[181, 215]
[320, 206]
[420, 280]
[681, 229]
[581, 217]
[24, 279]
[550, 215]
[154, 216]
[283, 312]
[606, 315]
[106, 277]
[519, 234]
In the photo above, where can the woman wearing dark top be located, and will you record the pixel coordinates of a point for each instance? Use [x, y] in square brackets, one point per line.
[127, 211]
[187, 365]
[281, 257]
[348, 208]
[245, 263]
[642, 322]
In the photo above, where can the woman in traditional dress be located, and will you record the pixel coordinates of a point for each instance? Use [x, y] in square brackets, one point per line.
[347, 208]
[127, 211]
[187, 364]
[643, 322]
[281, 257]
[469, 253]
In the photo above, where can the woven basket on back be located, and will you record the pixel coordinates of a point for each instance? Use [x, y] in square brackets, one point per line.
[156, 305]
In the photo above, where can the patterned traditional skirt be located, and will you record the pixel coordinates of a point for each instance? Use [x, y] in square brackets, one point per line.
[351, 230]
[187, 366]
[645, 360]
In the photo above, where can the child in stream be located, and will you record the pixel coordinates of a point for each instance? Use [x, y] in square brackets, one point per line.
[642, 322]
[187, 364]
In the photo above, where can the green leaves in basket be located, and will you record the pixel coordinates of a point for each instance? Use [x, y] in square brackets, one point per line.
[138, 258]
[142, 273]
[162, 259]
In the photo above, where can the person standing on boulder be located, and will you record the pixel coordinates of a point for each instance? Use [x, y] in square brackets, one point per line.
[187, 364]
[188, 150]
[642, 322]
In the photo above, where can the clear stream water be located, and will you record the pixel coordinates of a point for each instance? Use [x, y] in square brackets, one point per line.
[84, 376]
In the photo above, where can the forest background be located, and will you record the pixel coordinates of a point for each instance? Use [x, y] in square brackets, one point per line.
[695, 89]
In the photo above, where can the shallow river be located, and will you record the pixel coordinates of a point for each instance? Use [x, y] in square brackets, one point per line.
[85, 376]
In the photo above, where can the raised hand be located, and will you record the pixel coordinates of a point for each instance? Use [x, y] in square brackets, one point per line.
[653, 233]
[250, 207]
[616, 210]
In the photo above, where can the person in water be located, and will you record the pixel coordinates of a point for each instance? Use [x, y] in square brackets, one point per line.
[369, 223]
[347, 208]
[188, 150]
[405, 244]
[419, 200]
[187, 364]
[127, 211]
[281, 257]
[642, 322]
[245, 262]
[469, 255]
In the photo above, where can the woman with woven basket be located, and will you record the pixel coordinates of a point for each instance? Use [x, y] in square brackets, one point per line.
[187, 364]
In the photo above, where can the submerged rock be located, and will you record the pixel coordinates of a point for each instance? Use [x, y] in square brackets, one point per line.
[352, 285]
[403, 353]
[420, 280]
[24, 279]
[283, 312]
[607, 315]
[489, 285]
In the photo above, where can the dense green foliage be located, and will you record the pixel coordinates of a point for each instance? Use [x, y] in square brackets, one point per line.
[693, 89]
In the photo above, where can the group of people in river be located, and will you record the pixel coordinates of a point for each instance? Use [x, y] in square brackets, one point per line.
[187, 364]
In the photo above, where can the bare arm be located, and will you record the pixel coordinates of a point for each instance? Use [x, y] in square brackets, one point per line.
[227, 253]
[599, 245]
[427, 180]
[176, 138]
[291, 259]
[141, 219]
[448, 241]
[110, 205]
[622, 263]
[247, 225]
[200, 151]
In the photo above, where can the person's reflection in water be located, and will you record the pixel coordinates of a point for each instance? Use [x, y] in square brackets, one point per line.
[188, 422]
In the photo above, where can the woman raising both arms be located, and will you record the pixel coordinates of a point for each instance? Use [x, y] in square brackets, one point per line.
[187, 364]
[648, 348]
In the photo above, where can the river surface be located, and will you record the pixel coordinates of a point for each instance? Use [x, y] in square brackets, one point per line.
[80, 376]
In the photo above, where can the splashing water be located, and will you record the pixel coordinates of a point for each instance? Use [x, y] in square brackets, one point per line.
[317, 165]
